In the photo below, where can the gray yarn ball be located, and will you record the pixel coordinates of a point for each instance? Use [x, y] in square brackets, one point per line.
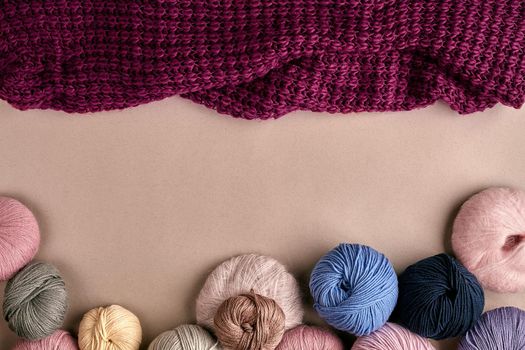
[185, 337]
[35, 301]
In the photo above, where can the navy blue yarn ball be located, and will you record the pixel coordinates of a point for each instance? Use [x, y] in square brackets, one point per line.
[354, 288]
[439, 298]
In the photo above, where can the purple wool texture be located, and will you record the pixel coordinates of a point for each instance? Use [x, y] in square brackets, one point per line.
[263, 58]
[499, 329]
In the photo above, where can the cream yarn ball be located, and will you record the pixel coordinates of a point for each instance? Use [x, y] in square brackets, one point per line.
[251, 273]
[488, 237]
[185, 337]
[109, 328]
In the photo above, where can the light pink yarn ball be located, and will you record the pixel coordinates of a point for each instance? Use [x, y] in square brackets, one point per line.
[59, 340]
[310, 338]
[392, 337]
[19, 237]
[246, 273]
[488, 237]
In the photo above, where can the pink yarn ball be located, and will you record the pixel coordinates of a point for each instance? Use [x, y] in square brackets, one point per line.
[392, 337]
[59, 340]
[248, 273]
[19, 237]
[309, 338]
[488, 237]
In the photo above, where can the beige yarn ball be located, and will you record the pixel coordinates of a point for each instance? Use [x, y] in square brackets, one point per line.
[109, 328]
[246, 274]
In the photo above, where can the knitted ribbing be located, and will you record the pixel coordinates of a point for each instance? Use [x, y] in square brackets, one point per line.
[263, 58]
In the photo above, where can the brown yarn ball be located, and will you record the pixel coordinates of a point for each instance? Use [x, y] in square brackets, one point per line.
[249, 322]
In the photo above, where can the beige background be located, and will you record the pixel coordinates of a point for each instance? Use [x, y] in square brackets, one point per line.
[137, 206]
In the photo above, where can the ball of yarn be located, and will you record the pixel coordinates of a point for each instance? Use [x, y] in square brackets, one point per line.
[185, 337]
[19, 237]
[59, 340]
[243, 274]
[310, 338]
[109, 328]
[499, 329]
[439, 298]
[489, 238]
[249, 321]
[354, 288]
[35, 301]
[392, 337]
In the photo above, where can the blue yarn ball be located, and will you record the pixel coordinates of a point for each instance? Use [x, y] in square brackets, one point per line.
[439, 298]
[498, 329]
[354, 288]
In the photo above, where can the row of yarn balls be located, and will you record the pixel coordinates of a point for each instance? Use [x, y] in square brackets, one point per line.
[251, 302]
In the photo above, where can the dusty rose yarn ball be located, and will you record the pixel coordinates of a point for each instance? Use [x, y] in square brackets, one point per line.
[60, 340]
[392, 337]
[19, 237]
[310, 338]
[246, 274]
[489, 238]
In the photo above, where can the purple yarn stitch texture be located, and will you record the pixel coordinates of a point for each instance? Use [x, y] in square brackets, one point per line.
[263, 58]
[499, 329]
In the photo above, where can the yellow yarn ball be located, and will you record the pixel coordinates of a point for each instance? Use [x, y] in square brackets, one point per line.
[109, 328]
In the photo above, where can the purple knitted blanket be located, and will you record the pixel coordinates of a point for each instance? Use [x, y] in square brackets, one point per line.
[263, 58]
